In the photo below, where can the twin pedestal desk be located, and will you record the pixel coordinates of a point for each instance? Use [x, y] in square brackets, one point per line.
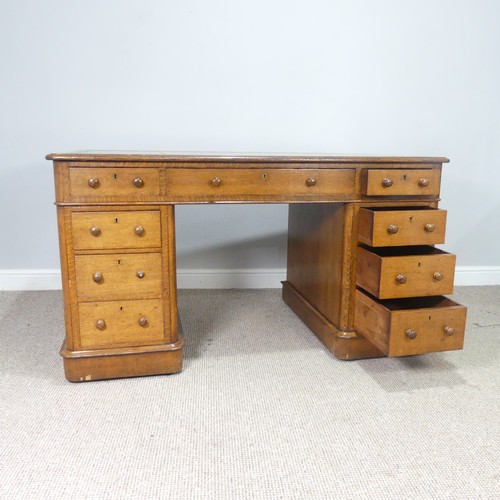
[362, 273]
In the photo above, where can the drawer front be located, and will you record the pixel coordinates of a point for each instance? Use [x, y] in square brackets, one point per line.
[403, 182]
[120, 323]
[114, 182]
[224, 183]
[116, 230]
[398, 227]
[411, 326]
[121, 276]
[388, 275]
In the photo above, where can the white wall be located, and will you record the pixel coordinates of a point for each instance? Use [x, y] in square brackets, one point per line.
[395, 77]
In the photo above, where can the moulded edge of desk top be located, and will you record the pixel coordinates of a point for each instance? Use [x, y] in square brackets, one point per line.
[207, 157]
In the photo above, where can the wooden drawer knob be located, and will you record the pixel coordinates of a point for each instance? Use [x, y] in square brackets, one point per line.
[430, 227]
[143, 321]
[449, 330]
[392, 229]
[438, 276]
[100, 324]
[140, 274]
[401, 278]
[97, 277]
[423, 182]
[139, 230]
[310, 181]
[411, 334]
[95, 231]
[93, 182]
[386, 182]
[138, 182]
[215, 182]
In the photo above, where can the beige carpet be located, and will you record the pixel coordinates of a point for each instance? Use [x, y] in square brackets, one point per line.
[261, 410]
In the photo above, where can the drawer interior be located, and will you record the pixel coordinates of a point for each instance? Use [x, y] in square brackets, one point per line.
[414, 303]
[405, 251]
[410, 326]
[400, 209]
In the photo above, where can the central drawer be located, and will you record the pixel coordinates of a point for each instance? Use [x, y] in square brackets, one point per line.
[224, 183]
[119, 276]
[420, 271]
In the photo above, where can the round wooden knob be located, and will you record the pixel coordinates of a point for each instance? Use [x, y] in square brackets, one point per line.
[411, 334]
[93, 182]
[100, 324]
[430, 227]
[423, 182]
[97, 277]
[140, 274]
[392, 229]
[215, 182]
[143, 321]
[437, 276]
[139, 230]
[449, 330]
[310, 181]
[138, 182]
[401, 278]
[386, 182]
[95, 231]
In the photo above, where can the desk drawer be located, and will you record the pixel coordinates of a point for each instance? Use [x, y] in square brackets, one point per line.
[410, 326]
[116, 230]
[379, 227]
[120, 276]
[390, 182]
[112, 182]
[225, 183]
[389, 273]
[120, 323]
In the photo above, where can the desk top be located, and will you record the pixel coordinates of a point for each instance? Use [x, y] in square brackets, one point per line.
[206, 157]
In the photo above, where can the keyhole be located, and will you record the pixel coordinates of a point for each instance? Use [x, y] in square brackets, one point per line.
[264, 176]
[419, 264]
[121, 308]
[115, 176]
[411, 218]
[404, 177]
[116, 220]
[119, 261]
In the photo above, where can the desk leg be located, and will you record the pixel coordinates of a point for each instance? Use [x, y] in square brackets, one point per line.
[321, 277]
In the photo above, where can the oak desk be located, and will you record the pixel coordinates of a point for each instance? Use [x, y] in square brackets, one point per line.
[362, 273]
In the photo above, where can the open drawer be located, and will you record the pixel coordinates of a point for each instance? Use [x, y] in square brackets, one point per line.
[397, 272]
[410, 326]
[399, 226]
